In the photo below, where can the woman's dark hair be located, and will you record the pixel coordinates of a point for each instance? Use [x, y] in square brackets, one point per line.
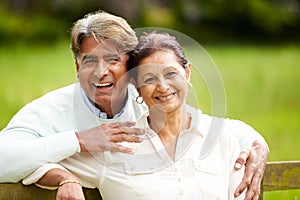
[151, 43]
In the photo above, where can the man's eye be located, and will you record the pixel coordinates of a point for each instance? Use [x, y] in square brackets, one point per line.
[113, 60]
[90, 61]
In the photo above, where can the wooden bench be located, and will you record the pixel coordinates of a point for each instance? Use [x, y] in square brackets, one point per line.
[18, 191]
[278, 176]
[281, 176]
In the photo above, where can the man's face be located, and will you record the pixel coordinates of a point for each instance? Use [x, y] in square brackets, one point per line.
[99, 70]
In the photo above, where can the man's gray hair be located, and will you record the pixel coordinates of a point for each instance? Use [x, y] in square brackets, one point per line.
[102, 25]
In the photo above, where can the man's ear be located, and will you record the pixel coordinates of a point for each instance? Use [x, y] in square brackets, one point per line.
[77, 67]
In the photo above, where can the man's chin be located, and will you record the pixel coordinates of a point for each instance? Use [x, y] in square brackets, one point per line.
[103, 101]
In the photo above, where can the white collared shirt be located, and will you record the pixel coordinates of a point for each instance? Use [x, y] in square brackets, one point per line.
[96, 110]
[151, 174]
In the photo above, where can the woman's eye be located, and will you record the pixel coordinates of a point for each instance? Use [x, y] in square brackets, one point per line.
[171, 74]
[149, 80]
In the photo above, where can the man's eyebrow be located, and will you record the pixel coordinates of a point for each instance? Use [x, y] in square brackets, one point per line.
[112, 55]
[88, 57]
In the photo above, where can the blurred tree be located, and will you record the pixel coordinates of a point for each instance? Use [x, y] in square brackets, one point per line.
[199, 18]
[252, 17]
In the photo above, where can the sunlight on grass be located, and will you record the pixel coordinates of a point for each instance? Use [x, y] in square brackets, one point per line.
[262, 88]
[29, 72]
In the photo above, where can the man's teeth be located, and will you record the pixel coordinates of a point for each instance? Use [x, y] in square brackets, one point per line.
[102, 84]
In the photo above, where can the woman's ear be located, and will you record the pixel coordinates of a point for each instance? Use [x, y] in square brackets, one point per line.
[188, 71]
[132, 81]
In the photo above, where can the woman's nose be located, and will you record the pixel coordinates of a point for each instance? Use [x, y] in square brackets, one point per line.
[162, 85]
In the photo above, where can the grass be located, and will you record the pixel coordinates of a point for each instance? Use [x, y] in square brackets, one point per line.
[29, 72]
[262, 88]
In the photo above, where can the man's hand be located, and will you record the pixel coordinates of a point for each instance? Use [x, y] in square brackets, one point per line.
[106, 136]
[255, 160]
[70, 190]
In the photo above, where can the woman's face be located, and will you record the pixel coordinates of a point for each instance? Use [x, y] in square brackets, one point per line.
[163, 81]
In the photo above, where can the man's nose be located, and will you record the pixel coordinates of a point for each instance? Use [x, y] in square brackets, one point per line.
[101, 69]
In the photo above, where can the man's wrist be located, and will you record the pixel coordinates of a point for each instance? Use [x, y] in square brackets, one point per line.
[81, 145]
[69, 181]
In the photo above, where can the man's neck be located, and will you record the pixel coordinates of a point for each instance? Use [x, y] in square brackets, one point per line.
[108, 111]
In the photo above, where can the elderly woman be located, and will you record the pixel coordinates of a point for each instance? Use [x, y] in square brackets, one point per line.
[177, 132]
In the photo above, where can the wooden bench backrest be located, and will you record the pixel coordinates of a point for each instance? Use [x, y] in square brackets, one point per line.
[281, 176]
[278, 176]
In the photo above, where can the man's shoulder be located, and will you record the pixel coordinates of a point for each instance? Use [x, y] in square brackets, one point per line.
[60, 93]
[63, 91]
[54, 98]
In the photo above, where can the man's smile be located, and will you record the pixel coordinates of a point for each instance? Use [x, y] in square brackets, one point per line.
[103, 85]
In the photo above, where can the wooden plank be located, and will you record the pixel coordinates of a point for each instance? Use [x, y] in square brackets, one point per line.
[282, 176]
[17, 191]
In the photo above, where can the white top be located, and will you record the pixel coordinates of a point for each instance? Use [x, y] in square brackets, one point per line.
[151, 174]
[44, 130]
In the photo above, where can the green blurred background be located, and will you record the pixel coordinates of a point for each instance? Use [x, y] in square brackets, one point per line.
[254, 43]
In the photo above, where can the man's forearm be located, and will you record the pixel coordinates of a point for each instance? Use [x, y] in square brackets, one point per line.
[246, 135]
[54, 177]
[19, 158]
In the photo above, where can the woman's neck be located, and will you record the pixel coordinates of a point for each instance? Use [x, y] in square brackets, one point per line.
[167, 123]
[168, 126]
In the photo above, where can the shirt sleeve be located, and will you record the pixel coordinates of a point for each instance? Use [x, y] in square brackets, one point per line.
[30, 140]
[235, 176]
[19, 158]
[245, 134]
[39, 173]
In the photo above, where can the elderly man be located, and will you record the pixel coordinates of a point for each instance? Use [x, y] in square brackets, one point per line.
[93, 115]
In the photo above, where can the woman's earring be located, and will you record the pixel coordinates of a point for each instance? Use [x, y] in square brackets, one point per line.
[139, 99]
[190, 86]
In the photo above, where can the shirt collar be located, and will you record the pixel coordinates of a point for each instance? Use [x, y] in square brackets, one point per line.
[94, 109]
[196, 124]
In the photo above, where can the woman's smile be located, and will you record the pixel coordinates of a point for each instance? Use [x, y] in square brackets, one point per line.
[165, 98]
